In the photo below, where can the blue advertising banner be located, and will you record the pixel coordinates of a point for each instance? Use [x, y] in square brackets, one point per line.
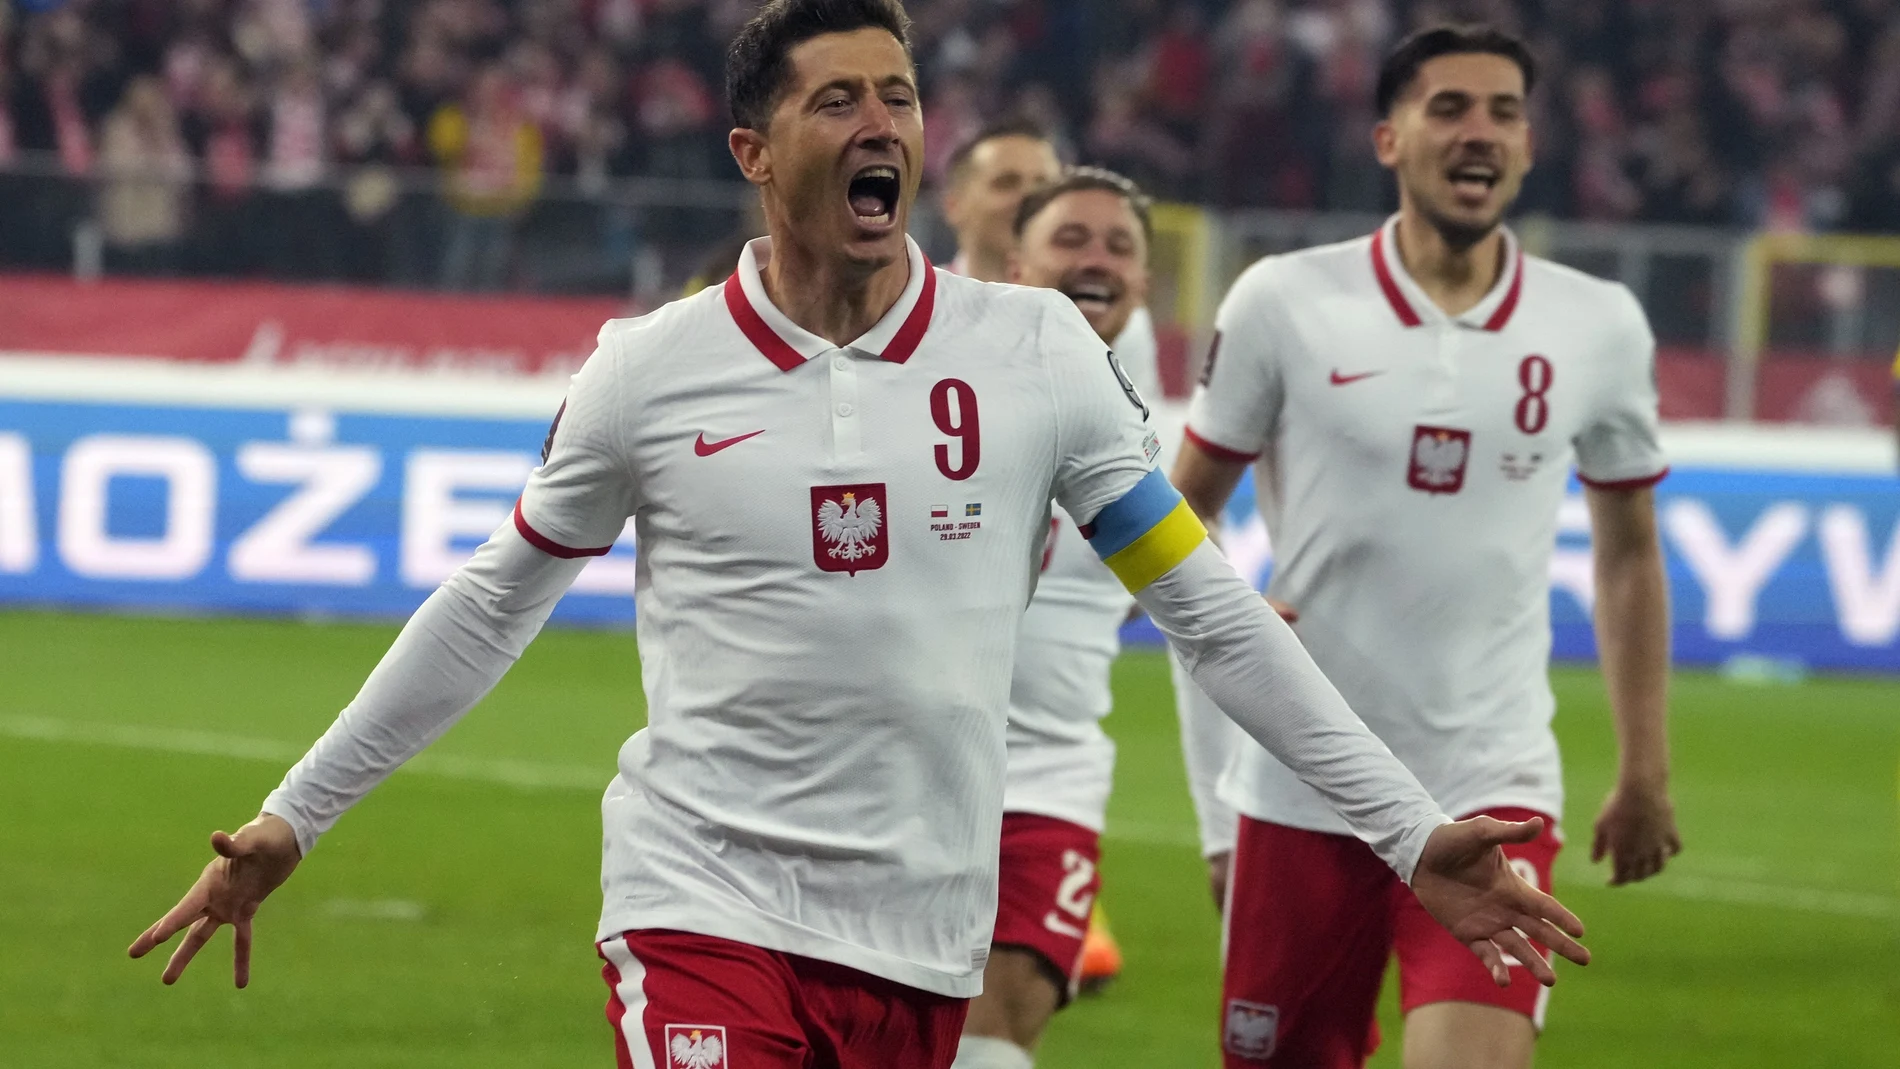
[336, 513]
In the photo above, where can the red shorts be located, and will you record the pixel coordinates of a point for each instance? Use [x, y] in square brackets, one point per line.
[1046, 887]
[1311, 920]
[683, 1001]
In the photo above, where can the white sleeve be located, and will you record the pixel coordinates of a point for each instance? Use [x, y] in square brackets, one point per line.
[1208, 743]
[453, 651]
[1104, 441]
[1248, 660]
[1237, 403]
[465, 637]
[1620, 445]
[1140, 352]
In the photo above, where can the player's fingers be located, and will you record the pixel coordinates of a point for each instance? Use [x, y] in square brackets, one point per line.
[1493, 960]
[228, 845]
[1551, 936]
[188, 910]
[1513, 943]
[1511, 831]
[1599, 843]
[241, 961]
[1675, 842]
[195, 940]
[1536, 903]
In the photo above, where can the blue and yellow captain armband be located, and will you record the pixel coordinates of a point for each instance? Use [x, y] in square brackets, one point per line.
[1149, 530]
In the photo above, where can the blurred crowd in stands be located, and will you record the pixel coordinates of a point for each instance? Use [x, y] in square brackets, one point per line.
[199, 120]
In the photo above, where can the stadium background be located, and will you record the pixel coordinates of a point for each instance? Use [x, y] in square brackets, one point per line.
[289, 289]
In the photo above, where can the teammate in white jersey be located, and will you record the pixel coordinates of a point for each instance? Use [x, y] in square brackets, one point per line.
[1086, 236]
[839, 467]
[1415, 400]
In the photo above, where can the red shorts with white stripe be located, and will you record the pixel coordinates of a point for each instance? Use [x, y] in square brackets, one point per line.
[1311, 920]
[1045, 890]
[683, 1001]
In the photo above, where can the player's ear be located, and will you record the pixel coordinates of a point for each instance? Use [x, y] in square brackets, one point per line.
[1385, 143]
[750, 151]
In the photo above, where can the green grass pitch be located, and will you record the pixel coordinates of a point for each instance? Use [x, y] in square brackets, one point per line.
[447, 922]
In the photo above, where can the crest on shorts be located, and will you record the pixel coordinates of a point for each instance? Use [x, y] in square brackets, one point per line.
[1250, 1029]
[848, 530]
[1438, 459]
[696, 1046]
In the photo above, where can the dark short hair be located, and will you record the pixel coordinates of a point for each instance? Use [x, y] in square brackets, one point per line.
[1403, 64]
[1078, 179]
[758, 63]
[1016, 126]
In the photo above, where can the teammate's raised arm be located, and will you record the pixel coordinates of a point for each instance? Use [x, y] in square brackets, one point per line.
[454, 649]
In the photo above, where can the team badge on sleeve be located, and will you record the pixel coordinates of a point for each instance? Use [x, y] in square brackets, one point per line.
[1438, 459]
[696, 1046]
[1128, 385]
[848, 530]
[1250, 1030]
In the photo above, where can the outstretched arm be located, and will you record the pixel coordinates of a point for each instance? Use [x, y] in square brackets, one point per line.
[1248, 661]
[454, 650]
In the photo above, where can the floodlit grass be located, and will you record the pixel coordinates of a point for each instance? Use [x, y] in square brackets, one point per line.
[448, 921]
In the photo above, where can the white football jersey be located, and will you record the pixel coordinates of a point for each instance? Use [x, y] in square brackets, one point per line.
[1061, 763]
[1411, 466]
[837, 544]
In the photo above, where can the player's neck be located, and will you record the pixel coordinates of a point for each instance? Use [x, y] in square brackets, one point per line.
[1455, 277]
[985, 265]
[829, 296]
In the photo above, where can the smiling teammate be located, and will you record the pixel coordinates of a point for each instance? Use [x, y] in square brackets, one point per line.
[839, 466]
[1086, 236]
[1415, 400]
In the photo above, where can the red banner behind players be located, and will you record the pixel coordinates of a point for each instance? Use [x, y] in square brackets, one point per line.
[256, 323]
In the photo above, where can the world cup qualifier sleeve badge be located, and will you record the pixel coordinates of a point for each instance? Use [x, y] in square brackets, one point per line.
[849, 531]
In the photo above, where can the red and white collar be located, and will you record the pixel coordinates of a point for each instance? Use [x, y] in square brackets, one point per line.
[786, 344]
[1409, 302]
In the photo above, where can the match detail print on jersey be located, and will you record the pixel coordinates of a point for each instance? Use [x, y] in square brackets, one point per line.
[848, 530]
[1149, 530]
[1439, 455]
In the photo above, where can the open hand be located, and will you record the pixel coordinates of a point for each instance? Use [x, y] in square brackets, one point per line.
[1637, 831]
[249, 866]
[1465, 882]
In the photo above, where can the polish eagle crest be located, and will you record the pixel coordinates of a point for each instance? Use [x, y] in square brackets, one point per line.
[850, 529]
[697, 1050]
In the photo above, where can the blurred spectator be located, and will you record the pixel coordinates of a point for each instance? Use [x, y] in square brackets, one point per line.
[146, 171]
[1779, 113]
[492, 153]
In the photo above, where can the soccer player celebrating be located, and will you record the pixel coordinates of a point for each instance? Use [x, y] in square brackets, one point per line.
[1415, 399]
[1085, 236]
[839, 466]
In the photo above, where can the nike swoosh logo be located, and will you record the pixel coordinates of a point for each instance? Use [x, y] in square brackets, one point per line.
[704, 448]
[1347, 380]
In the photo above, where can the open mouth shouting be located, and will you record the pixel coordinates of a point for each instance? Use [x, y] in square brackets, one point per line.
[872, 194]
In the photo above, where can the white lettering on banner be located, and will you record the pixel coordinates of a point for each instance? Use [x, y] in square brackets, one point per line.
[611, 574]
[1868, 604]
[191, 494]
[19, 525]
[434, 518]
[277, 548]
[1732, 577]
[1573, 569]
